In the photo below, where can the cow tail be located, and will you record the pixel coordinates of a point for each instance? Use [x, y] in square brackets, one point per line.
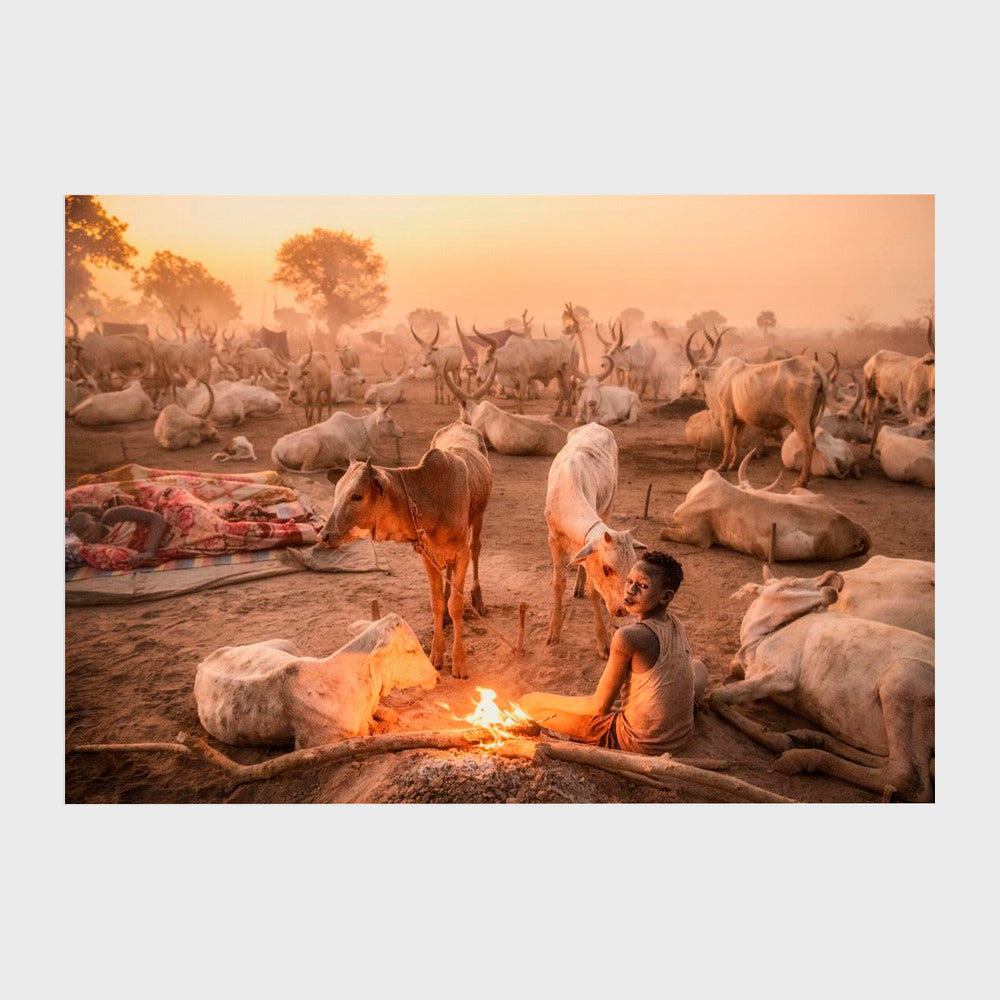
[820, 401]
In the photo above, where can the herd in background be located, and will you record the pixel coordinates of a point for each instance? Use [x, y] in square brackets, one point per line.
[864, 675]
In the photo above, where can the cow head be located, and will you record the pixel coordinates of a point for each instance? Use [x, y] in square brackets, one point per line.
[356, 501]
[427, 351]
[398, 660]
[781, 601]
[693, 380]
[297, 374]
[607, 560]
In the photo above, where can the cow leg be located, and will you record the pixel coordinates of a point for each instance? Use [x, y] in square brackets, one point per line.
[906, 694]
[522, 392]
[475, 547]
[702, 537]
[437, 606]
[727, 439]
[558, 587]
[761, 686]
[809, 739]
[456, 607]
[808, 439]
[600, 629]
[775, 742]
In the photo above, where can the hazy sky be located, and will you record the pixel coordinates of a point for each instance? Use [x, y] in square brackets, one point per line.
[809, 258]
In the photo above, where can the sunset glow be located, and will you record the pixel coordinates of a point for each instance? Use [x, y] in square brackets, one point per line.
[810, 259]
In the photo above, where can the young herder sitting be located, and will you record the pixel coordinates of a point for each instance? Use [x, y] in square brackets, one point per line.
[649, 662]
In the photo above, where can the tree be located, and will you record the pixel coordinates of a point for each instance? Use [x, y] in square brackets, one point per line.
[926, 306]
[93, 239]
[631, 317]
[336, 274]
[426, 321]
[860, 318]
[176, 284]
[705, 320]
[766, 320]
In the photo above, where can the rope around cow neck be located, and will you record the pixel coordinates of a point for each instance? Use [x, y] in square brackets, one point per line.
[419, 546]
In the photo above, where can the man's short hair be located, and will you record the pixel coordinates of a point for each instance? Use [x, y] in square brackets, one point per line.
[670, 569]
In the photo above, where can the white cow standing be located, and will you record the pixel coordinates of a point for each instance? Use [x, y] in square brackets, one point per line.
[581, 489]
[268, 694]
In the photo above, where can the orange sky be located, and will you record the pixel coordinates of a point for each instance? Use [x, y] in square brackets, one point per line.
[809, 258]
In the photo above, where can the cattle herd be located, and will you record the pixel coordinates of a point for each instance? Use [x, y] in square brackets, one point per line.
[849, 650]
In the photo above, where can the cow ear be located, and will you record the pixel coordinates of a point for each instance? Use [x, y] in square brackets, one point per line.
[831, 578]
[746, 590]
[638, 545]
[767, 574]
[582, 554]
[608, 540]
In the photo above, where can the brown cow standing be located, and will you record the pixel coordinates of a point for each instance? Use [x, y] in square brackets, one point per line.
[438, 506]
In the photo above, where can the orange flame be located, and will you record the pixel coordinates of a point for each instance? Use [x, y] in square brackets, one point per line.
[487, 714]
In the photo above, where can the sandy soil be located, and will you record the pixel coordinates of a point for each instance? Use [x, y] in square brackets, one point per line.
[130, 669]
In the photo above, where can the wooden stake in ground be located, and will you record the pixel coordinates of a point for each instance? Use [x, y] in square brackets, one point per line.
[772, 539]
[522, 610]
[645, 510]
[121, 441]
[376, 614]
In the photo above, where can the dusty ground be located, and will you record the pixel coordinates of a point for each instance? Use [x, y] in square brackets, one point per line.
[130, 669]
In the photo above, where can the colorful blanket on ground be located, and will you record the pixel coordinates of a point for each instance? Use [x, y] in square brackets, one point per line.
[205, 514]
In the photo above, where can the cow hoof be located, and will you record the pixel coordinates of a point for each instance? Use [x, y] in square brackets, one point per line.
[796, 762]
[459, 671]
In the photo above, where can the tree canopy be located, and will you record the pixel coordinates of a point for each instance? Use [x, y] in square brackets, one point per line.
[766, 320]
[336, 274]
[93, 239]
[705, 320]
[631, 317]
[175, 284]
[426, 320]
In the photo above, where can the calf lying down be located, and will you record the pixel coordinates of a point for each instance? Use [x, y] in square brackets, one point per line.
[266, 694]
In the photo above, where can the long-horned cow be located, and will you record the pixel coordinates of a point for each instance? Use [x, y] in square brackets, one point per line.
[177, 428]
[121, 407]
[768, 396]
[631, 361]
[309, 384]
[439, 360]
[891, 377]
[868, 685]
[101, 357]
[581, 488]
[335, 442]
[508, 433]
[799, 525]
[906, 453]
[605, 404]
[522, 359]
[437, 506]
[833, 456]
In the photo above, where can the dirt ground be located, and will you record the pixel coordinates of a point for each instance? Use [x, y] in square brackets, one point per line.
[130, 669]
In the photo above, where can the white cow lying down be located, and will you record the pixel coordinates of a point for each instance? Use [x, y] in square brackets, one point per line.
[867, 684]
[266, 694]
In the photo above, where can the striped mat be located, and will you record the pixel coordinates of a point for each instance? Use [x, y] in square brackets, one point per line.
[196, 562]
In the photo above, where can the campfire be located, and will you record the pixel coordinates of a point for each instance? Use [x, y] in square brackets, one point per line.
[503, 724]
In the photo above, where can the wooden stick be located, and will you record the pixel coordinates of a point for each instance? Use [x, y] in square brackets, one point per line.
[522, 611]
[645, 510]
[121, 441]
[664, 769]
[771, 541]
[667, 770]
[376, 614]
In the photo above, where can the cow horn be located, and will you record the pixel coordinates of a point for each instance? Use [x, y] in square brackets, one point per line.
[611, 367]
[716, 344]
[417, 339]
[835, 367]
[860, 392]
[621, 337]
[76, 329]
[211, 399]
[305, 364]
[687, 348]
[491, 342]
[597, 330]
[741, 473]
[930, 332]
[544, 330]
[437, 333]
